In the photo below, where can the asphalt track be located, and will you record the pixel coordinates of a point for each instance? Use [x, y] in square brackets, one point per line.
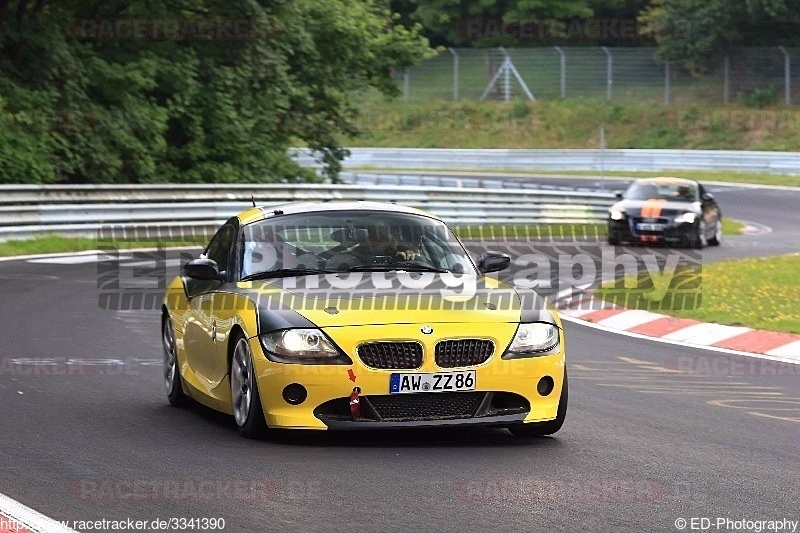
[654, 433]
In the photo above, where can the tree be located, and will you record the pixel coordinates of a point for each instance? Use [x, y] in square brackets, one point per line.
[696, 33]
[447, 22]
[188, 90]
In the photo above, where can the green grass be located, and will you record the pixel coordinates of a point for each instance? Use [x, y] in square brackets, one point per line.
[731, 226]
[575, 123]
[55, 244]
[529, 231]
[758, 293]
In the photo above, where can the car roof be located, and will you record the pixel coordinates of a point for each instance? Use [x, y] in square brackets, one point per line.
[666, 180]
[256, 214]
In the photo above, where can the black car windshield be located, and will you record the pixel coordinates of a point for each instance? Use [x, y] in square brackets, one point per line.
[668, 190]
[341, 241]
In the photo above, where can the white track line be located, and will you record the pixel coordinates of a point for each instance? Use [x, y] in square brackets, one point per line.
[30, 519]
[93, 252]
[79, 259]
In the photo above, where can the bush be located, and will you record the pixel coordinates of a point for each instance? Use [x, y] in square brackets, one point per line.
[760, 98]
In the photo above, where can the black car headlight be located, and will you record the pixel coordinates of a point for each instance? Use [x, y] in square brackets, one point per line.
[302, 345]
[532, 340]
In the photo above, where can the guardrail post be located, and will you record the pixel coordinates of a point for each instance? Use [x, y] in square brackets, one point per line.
[609, 71]
[602, 158]
[563, 58]
[405, 84]
[666, 82]
[787, 75]
[455, 72]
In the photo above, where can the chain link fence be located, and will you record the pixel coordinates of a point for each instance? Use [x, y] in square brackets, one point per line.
[754, 76]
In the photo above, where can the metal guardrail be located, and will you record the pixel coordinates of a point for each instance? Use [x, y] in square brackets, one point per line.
[566, 160]
[28, 210]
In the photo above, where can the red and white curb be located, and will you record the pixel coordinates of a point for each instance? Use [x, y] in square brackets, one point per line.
[17, 518]
[682, 331]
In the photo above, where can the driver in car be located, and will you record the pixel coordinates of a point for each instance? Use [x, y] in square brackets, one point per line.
[685, 193]
[384, 243]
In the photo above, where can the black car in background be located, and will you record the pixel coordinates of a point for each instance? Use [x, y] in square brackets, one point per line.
[669, 211]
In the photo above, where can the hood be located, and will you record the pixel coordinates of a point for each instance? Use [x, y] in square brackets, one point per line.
[390, 298]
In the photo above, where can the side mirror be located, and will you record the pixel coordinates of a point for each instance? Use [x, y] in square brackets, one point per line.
[707, 197]
[619, 195]
[493, 262]
[202, 268]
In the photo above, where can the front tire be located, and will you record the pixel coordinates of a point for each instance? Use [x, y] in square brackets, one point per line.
[542, 429]
[245, 399]
[172, 378]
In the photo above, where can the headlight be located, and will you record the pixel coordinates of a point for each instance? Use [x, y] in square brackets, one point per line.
[689, 218]
[616, 214]
[302, 346]
[532, 339]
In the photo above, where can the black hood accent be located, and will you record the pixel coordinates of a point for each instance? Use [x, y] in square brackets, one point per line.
[533, 307]
[272, 315]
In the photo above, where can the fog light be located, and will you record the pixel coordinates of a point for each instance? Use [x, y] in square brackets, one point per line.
[295, 394]
[545, 386]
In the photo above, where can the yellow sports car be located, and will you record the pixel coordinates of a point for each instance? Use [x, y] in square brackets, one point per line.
[359, 315]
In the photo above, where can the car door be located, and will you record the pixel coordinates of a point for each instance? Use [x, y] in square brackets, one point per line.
[225, 305]
[201, 325]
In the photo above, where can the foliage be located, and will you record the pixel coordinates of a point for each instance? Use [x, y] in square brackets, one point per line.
[761, 98]
[80, 105]
[697, 33]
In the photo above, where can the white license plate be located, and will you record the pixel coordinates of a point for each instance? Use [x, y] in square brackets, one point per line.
[439, 382]
[650, 227]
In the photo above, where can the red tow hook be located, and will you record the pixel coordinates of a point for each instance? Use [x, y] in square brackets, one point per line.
[355, 403]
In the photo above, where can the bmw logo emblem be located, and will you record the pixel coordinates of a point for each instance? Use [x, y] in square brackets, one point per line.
[426, 330]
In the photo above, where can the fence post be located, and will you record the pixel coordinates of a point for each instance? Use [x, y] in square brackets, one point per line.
[609, 71]
[455, 73]
[405, 84]
[666, 82]
[726, 67]
[563, 71]
[787, 75]
[506, 76]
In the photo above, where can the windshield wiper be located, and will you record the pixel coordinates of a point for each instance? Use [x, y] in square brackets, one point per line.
[287, 272]
[388, 267]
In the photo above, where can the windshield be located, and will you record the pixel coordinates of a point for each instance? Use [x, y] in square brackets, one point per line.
[674, 191]
[340, 241]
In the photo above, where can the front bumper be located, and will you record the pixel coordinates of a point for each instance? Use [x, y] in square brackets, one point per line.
[672, 232]
[507, 388]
